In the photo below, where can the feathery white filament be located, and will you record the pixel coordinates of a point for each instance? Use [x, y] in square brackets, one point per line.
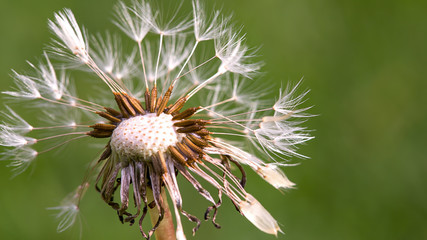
[167, 24]
[149, 53]
[234, 55]
[107, 52]
[69, 209]
[20, 158]
[289, 100]
[158, 58]
[14, 122]
[175, 52]
[135, 21]
[50, 83]
[278, 134]
[202, 85]
[26, 87]
[67, 29]
[67, 215]
[205, 28]
[11, 138]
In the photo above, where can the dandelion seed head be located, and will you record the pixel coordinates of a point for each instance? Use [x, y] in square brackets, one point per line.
[156, 131]
[143, 136]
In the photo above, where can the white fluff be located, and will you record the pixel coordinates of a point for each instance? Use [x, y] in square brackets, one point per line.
[128, 20]
[12, 121]
[11, 138]
[68, 31]
[26, 87]
[206, 28]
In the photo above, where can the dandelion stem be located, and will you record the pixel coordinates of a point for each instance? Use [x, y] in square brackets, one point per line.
[222, 102]
[186, 61]
[227, 118]
[166, 229]
[158, 58]
[143, 64]
[202, 85]
[193, 69]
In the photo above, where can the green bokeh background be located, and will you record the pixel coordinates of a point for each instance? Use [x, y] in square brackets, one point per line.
[365, 63]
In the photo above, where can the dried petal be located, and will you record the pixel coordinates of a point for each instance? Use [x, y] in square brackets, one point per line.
[258, 215]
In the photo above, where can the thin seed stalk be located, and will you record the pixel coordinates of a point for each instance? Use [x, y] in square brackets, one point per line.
[166, 229]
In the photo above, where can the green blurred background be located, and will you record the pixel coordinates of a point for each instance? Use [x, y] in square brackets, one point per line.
[365, 63]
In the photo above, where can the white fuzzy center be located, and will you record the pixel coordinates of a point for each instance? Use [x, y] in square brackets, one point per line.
[143, 136]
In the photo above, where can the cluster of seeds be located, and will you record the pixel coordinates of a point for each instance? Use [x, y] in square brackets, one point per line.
[138, 132]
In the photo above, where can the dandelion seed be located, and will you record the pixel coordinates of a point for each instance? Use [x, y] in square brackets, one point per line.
[155, 134]
[108, 54]
[128, 20]
[48, 80]
[69, 209]
[207, 28]
[14, 122]
[68, 31]
[234, 55]
[21, 159]
[11, 138]
[26, 88]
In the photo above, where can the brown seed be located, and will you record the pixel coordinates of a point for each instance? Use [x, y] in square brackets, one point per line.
[102, 126]
[177, 155]
[186, 113]
[135, 104]
[128, 106]
[112, 111]
[177, 106]
[153, 99]
[190, 129]
[164, 101]
[191, 156]
[158, 102]
[99, 134]
[188, 122]
[147, 99]
[108, 117]
[122, 107]
[203, 132]
[193, 146]
[197, 140]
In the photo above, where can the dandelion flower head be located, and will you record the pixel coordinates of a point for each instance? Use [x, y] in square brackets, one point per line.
[183, 102]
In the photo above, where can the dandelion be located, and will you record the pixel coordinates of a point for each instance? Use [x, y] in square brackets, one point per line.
[155, 129]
